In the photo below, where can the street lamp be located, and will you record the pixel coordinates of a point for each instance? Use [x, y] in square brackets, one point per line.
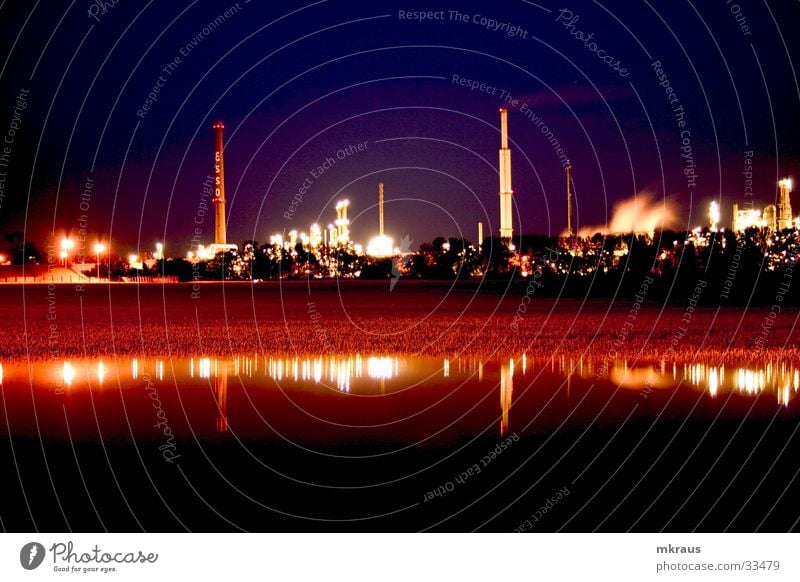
[98, 248]
[63, 255]
[66, 246]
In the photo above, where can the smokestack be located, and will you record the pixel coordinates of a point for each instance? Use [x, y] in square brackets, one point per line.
[220, 237]
[506, 229]
[569, 199]
[380, 208]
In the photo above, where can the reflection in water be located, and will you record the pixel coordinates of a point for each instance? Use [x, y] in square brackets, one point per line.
[221, 392]
[325, 384]
[339, 371]
[506, 392]
[779, 378]
[68, 374]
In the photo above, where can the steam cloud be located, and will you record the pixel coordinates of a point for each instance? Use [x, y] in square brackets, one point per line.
[643, 213]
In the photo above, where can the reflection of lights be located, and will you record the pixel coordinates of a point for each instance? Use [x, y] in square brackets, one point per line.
[1, 374]
[317, 370]
[713, 382]
[446, 368]
[343, 374]
[506, 394]
[778, 378]
[205, 368]
[68, 373]
[338, 371]
[380, 368]
[101, 372]
[135, 368]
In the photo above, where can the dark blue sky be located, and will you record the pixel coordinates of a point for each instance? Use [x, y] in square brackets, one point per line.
[295, 83]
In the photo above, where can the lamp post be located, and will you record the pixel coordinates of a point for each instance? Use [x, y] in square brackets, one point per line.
[98, 248]
[66, 246]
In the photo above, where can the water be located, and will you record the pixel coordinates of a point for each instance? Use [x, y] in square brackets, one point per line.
[363, 442]
[361, 399]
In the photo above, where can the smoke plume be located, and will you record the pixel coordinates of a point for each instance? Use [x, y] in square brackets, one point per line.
[643, 213]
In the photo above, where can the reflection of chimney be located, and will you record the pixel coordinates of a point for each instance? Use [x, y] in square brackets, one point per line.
[219, 187]
[221, 389]
[506, 229]
[380, 208]
[506, 394]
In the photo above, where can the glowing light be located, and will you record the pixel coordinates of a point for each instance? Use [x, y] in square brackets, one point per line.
[380, 368]
[67, 244]
[713, 382]
[748, 218]
[68, 373]
[380, 246]
[205, 368]
[101, 372]
[713, 214]
[99, 248]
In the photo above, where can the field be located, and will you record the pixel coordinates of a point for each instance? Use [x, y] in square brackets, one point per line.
[41, 321]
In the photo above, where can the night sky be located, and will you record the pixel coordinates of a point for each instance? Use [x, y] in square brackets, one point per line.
[297, 84]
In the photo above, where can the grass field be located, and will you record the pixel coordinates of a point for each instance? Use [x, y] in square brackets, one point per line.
[41, 321]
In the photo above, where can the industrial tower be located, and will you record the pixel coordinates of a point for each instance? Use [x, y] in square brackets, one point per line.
[342, 224]
[219, 187]
[506, 228]
[785, 219]
[380, 209]
[569, 199]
